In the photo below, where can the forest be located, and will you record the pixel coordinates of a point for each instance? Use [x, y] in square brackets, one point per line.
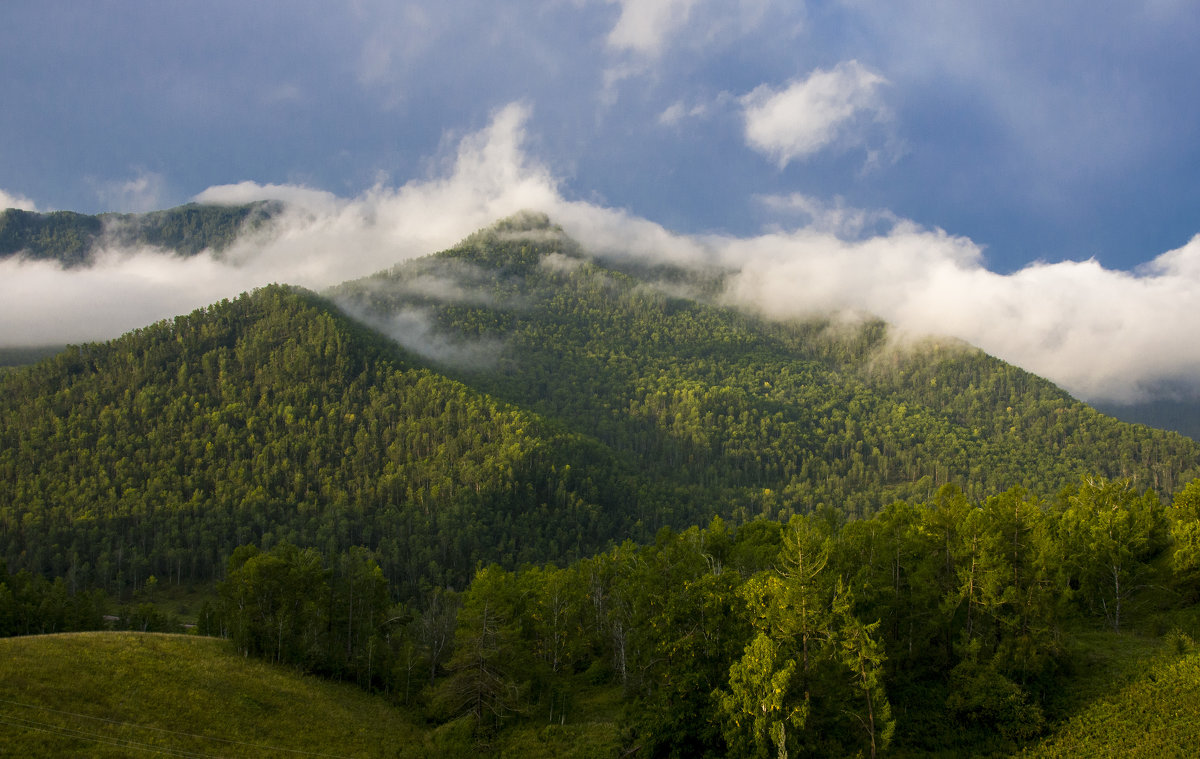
[509, 482]
[946, 625]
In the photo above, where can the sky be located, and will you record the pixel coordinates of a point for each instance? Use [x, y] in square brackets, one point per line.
[1024, 176]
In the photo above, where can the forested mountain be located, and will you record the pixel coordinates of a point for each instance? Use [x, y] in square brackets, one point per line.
[273, 417]
[545, 405]
[742, 416]
[72, 239]
[507, 479]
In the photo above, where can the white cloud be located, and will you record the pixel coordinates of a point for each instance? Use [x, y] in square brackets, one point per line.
[248, 192]
[12, 200]
[41, 304]
[812, 113]
[1100, 333]
[832, 217]
[416, 330]
[678, 111]
[644, 25]
[318, 241]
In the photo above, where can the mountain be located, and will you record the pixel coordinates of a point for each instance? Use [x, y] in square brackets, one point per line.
[536, 404]
[274, 417]
[731, 409]
[1182, 416]
[479, 482]
[73, 239]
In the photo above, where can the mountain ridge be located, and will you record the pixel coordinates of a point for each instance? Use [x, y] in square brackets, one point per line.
[536, 406]
[73, 239]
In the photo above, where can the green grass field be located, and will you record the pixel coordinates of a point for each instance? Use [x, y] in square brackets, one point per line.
[130, 694]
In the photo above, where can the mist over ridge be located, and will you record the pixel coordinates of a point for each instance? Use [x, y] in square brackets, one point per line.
[1102, 334]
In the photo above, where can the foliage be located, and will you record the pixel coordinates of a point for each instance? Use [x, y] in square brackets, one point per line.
[1110, 534]
[1155, 715]
[273, 418]
[443, 526]
[734, 415]
[33, 605]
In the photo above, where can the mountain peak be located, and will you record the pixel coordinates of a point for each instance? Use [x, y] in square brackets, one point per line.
[516, 243]
[526, 220]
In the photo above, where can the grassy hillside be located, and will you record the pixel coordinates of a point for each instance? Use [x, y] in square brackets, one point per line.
[1144, 701]
[122, 694]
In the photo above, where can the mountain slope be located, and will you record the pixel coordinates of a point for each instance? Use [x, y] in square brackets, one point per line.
[543, 405]
[1154, 712]
[273, 417]
[739, 415]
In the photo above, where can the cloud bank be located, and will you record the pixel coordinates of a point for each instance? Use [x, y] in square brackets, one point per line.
[1099, 333]
[13, 200]
[1102, 334]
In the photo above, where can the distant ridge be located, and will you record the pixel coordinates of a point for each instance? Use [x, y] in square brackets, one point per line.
[1181, 416]
[72, 239]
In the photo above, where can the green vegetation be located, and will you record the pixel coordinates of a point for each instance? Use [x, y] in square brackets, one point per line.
[493, 520]
[947, 626]
[62, 236]
[122, 694]
[72, 239]
[273, 418]
[1156, 713]
[733, 415]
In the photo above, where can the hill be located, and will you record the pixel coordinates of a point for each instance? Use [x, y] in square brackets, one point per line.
[421, 481]
[73, 239]
[117, 694]
[1148, 711]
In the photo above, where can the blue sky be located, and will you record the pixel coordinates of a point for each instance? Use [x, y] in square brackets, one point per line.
[1010, 136]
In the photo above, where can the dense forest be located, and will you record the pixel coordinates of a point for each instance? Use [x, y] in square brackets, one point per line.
[567, 406]
[488, 481]
[73, 239]
[270, 418]
[732, 410]
[941, 626]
